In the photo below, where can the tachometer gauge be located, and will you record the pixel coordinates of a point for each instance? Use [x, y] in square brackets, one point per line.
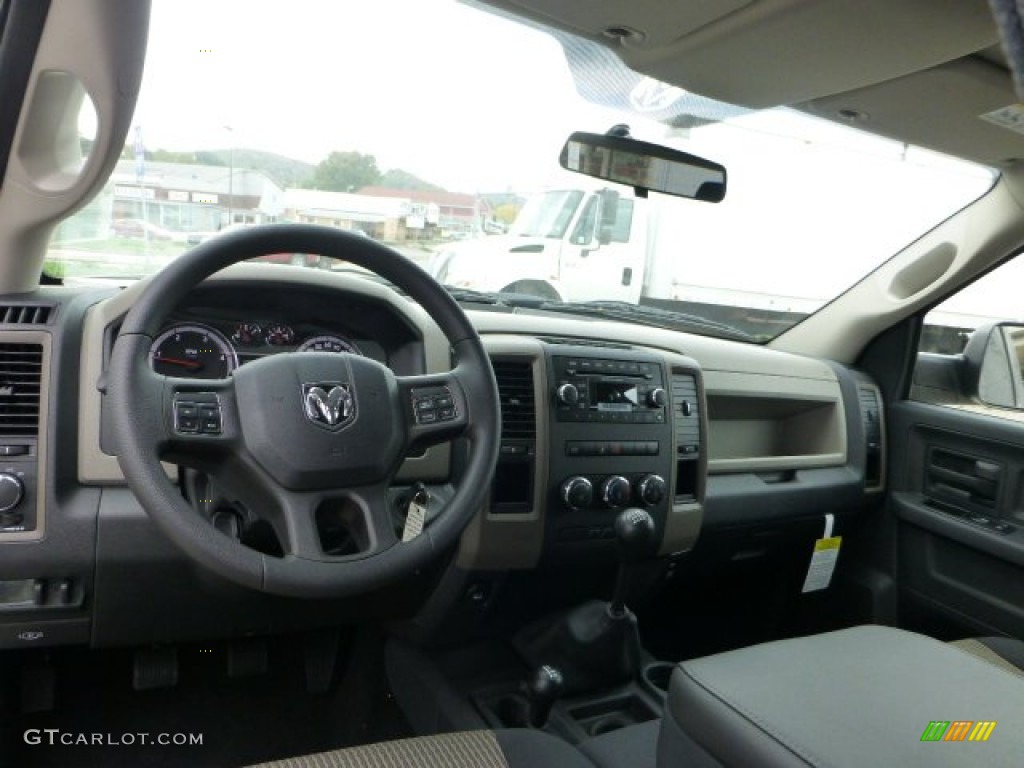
[193, 351]
[329, 344]
[278, 335]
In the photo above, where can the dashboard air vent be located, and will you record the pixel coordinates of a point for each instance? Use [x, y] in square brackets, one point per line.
[21, 370]
[25, 314]
[515, 387]
[871, 418]
[686, 414]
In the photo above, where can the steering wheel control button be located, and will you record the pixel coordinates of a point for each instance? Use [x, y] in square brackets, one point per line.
[186, 417]
[209, 419]
[433, 404]
[198, 414]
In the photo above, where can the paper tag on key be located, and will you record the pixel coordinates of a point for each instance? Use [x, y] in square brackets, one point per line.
[416, 515]
[823, 561]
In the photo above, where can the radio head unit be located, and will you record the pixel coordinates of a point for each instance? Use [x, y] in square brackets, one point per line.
[615, 391]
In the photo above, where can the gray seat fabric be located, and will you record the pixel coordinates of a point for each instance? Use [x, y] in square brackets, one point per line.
[468, 749]
[862, 696]
[1005, 652]
[635, 746]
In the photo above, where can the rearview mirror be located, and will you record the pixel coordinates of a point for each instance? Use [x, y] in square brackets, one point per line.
[644, 166]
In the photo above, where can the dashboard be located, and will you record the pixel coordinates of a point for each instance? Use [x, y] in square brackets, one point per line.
[708, 435]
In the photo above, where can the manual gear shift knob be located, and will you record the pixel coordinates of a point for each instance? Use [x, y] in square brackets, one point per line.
[634, 531]
[542, 690]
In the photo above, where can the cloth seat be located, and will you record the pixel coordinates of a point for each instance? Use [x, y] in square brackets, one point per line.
[860, 696]
[1005, 652]
[514, 748]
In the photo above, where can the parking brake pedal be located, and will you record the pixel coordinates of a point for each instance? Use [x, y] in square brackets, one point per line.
[155, 668]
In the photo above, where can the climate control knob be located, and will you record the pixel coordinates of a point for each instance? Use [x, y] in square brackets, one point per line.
[577, 493]
[651, 489]
[567, 394]
[11, 491]
[657, 398]
[616, 491]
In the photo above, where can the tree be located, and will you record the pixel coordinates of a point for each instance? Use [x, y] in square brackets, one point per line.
[345, 172]
[507, 212]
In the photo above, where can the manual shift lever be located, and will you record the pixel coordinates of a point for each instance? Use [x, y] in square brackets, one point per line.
[542, 691]
[634, 531]
[596, 644]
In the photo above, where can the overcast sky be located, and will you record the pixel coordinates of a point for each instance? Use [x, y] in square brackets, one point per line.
[474, 103]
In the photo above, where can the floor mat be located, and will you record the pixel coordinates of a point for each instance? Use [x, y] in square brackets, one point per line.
[103, 722]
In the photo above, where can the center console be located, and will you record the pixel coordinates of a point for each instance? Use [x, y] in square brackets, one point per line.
[611, 444]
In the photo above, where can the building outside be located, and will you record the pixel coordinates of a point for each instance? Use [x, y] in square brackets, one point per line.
[437, 213]
[386, 219]
[189, 199]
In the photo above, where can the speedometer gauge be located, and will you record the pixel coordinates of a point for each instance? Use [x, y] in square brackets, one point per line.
[329, 344]
[193, 351]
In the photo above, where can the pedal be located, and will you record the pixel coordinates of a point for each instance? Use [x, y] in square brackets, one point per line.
[321, 660]
[38, 687]
[154, 668]
[247, 658]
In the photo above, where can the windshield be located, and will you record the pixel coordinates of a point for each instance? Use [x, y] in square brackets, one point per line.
[547, 214]
[436, 127]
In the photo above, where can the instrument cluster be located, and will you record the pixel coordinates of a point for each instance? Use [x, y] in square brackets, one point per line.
[196, 350]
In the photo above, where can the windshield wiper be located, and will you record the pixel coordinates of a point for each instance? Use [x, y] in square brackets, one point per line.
[652, 316]
[469, 296]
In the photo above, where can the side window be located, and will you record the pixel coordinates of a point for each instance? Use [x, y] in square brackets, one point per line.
[971, 353]
[583, 233]
[623, 221]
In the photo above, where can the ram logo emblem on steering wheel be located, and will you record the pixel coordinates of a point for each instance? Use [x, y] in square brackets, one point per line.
[329, 404]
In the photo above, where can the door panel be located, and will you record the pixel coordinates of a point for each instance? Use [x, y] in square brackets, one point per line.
[957, 493]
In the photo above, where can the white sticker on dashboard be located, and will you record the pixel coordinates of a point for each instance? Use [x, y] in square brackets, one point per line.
[1011, 117]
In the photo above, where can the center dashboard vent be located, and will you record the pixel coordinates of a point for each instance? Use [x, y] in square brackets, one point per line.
[25, 314]
[686, 413]
[21, 370]
[518, 407]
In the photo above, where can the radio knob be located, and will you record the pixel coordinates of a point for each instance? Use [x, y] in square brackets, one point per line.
[567, 394]
[651, 489]
[616, 491]
[11, 491]
[657, 398]
[577, 493]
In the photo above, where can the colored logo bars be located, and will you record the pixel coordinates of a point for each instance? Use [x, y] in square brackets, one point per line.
[958, 730]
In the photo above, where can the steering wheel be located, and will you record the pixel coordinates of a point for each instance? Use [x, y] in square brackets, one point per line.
[316, 439]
